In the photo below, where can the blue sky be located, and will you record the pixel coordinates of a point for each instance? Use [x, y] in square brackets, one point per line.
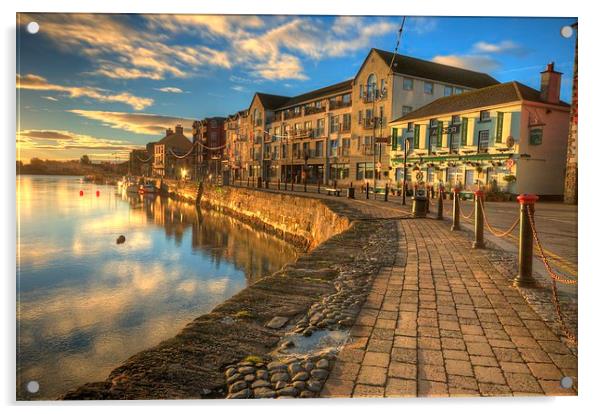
[101, 84]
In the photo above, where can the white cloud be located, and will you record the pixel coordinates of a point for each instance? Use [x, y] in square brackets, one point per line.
[238, 88]
[170, 89]
[50, 98]
[139, 123]
[420, 25]
[479, 63]
[67, 140]
[35, 82]
[505, 46]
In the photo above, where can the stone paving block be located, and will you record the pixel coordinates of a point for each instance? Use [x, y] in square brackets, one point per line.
[429, 343]
[521, 382]
[457, 367]
[379, 345]
[401, 388]
[534, 355]
[432, 389]
[478, 348]
[554, 388]
[345, 370]
[383, 333]
[545, 371]
[351, 355]
[407, 355]
[337, 388]
[462, 382]
[368, 391]
[405, 342]
[490, 375]
[455, 354]
[430, 356]
[377, 359]
[402, 370]
[431, 373]
[494, 390]
[372, 376]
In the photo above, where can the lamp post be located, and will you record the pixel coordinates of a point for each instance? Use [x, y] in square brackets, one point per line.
[406, 144]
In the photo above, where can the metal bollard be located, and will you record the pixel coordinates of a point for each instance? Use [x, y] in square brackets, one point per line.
[525, 242]
[367, 191]
[478, 221]
[305, 185]
[440, 204]
[292, 185]
[259, 182]
[267, 184]
[428, 200]
[318, 186]
[248, 181]
[456, 210]
[387, 192]
[279, 184]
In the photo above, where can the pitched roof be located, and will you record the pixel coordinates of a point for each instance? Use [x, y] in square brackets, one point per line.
[489, 96]
[327, 90]
[271, 101]
[177, 141]
[412, 66]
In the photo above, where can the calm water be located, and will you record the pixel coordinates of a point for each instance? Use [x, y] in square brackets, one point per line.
[85, 304]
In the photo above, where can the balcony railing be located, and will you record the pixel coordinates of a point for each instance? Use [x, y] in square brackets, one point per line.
[310, 110]
[291, 115]
[339, 104]
[345, 127]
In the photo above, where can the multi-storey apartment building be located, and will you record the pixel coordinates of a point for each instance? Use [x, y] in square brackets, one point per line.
[507, 136]
[209, 136]
[340, 132]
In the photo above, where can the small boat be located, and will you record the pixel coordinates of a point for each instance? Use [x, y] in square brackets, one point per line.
[131, 188]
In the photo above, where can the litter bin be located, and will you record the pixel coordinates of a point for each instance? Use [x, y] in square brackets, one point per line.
[351, 192]
[419, 206]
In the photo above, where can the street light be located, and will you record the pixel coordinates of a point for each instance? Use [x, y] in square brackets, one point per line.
[183, 173]
[406, 144]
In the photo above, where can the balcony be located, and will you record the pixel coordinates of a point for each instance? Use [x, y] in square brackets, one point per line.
[345, 128]
[310, 110]
[339, 104]
[291, 115]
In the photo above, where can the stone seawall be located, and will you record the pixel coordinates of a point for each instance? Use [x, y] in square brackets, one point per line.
[304, 222]
[342, 259]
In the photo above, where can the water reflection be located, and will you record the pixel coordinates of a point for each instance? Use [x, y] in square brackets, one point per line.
[85, 304]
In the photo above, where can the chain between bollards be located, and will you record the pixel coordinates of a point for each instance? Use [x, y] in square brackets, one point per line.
[456, 210]
[478, 220]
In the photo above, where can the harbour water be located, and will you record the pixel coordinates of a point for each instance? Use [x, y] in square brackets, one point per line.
[86, 303]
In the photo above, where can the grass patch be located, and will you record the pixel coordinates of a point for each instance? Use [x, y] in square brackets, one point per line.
[243, 314]
[253, 358]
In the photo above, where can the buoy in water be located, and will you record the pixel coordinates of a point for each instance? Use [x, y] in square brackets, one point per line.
[81, 193]
[97, 193]
[121, 239]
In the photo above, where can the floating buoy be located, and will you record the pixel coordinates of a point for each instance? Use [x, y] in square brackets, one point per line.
[81, 193]
[97, 193]
[121, 239]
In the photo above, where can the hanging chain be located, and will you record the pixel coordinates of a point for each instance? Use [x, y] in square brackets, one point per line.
[496, 233]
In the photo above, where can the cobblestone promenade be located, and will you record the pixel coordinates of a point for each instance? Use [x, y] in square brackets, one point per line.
[444, 321]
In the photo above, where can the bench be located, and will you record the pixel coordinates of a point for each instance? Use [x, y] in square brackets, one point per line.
[335, 191]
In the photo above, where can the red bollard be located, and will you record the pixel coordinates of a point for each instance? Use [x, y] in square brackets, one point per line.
[456, 210]
[525, 242]
[478, 221]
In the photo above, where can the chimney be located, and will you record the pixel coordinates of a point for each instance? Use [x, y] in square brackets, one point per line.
[550, 84]
[179, 129]
[168, 132]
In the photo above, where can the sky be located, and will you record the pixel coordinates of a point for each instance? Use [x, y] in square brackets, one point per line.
[102, 84]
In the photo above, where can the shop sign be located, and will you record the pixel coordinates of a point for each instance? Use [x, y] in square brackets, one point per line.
[451, 129]
[382, 140]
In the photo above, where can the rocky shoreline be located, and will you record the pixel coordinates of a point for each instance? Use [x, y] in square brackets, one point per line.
[321, 292]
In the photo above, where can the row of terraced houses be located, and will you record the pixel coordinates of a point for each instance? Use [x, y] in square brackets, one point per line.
[450, 125]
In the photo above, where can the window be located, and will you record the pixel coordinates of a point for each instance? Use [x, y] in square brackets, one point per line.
[307, 126]
[319, 149]
[458, 91]
[382, 86]
[440, 134]
[410, 126]
[535, 136]
[394, 139]
[346, 145]
[332, 147]
[365, 170]
[417, 137]
[485, 116]
[346, 123]
[320, 128]
[371, 87]
[464, 133]
[334, 124]
[284, 149]
[406, 110]
[448, 90]
[319, 104]
[483, 140]
[455, 120]
[339, 171]
[346, 98]
[360, 116]
[408, 84]
[434, 123]
[361, 91]
[428, 88]
[277, 132]
[499, 128]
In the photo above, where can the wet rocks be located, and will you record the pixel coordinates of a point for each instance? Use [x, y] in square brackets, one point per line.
[277, 322]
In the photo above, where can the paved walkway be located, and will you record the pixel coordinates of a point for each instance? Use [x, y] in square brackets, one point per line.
[443, 321]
